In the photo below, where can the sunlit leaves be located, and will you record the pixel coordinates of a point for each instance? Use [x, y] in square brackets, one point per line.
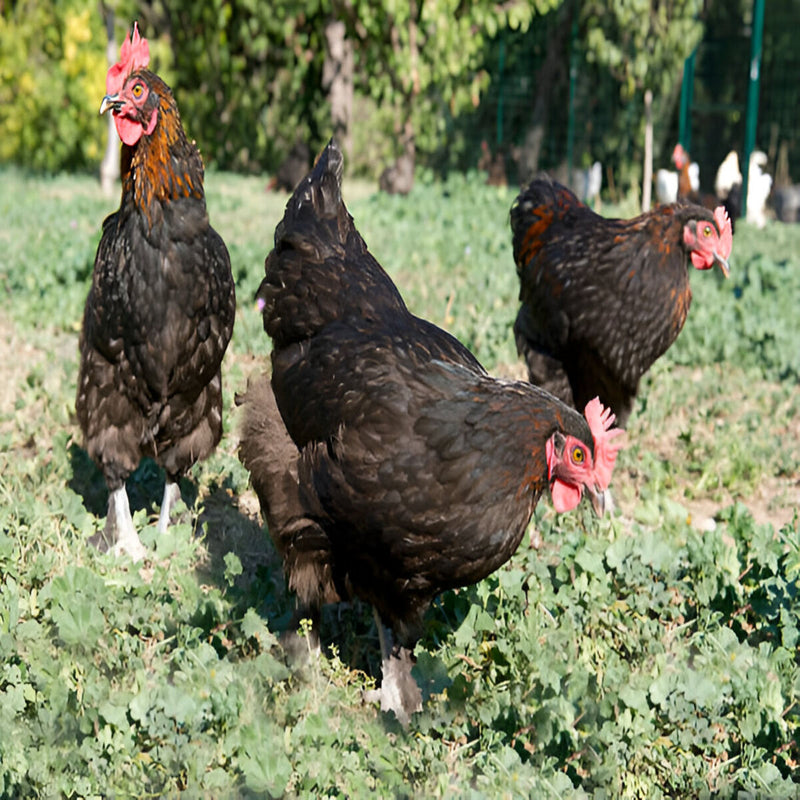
[643, 43]
[417, 57]
[51, 71]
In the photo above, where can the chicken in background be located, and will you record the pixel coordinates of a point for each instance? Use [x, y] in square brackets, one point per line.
[786, 202]
[402, 468]
[602, 298]
[292, 169]
[666, 186]
[273, 460]
[728, 175]
[590, 182]
[493, 164]
[671, 185]
[160, 310]
[759, 186]
[728, 187]
[728, 191]
[685, 183]
[688, 173]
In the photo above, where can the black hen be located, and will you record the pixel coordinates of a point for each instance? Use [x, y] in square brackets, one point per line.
[602, 299]
[161, 307]
[420, 469]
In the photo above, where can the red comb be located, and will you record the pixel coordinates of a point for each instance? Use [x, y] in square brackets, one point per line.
[600, 420]
[725, 231]
[134, 54]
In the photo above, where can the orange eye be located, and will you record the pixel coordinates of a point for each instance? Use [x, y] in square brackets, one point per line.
[707, 231]
[578, 455]
[137, 90]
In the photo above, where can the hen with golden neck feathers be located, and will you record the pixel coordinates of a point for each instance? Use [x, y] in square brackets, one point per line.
[160, 310]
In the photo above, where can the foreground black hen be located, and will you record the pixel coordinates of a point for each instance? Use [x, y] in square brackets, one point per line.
[602, 299]
[160, 310]
[407, 470]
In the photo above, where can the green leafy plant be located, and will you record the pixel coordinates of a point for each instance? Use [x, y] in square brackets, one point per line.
[652, 653]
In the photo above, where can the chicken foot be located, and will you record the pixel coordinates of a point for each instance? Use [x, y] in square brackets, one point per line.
[172, 494]
[119, 527]
[399, 691]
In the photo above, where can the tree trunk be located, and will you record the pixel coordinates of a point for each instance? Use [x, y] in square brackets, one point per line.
[647, 180]
[551, 73]
[337, 80]
[109, 168]
[399, 177]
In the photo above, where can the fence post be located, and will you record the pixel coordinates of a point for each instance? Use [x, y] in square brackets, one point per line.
[751, 118]
[687, 98]
[647, 179]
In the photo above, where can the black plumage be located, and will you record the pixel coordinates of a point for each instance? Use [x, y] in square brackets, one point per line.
[419, 470]
[160, 311]
[602, 298]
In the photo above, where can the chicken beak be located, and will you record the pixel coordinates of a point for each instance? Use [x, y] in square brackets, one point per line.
[723, 264]
[598, 499]
[111, 101]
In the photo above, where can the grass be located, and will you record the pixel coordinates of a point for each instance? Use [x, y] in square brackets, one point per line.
[652, 653]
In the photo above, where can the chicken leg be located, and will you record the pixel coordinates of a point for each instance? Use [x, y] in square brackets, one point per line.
[119, 527]
[399, 690]
[172, 494]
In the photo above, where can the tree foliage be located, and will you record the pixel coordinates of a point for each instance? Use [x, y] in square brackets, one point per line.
[444, 74]
[49, 88]
[247, 75]
[250, 77]
[641, 45]
[641, 42]
[423, 56]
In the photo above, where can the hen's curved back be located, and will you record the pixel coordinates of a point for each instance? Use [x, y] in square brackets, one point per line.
[537, 208]
[320, 270]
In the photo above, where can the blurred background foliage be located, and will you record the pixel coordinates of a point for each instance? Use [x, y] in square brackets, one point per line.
[456, 79]
[52, 59]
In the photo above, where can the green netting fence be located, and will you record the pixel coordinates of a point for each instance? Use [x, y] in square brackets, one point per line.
[548, 107]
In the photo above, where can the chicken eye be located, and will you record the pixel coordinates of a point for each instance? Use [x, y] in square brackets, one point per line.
[578, 455]
[137, 90]
[707, 231]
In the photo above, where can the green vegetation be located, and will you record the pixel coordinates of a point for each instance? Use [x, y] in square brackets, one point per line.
[653, 653]
[252, 78]
[52, 65]
[249, 77]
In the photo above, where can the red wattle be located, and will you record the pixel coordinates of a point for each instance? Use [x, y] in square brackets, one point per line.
[565, 497]
[129, 131]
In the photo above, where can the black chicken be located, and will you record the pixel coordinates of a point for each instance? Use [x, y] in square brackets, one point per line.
[417, 471]
[602, 299]
[161, 307]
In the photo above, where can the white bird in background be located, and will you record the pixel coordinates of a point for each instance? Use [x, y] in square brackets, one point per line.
[694, 176]
[666, 186]
[728, 175]
[727, 183]
[759, 185]
[668, 181]
[590, 182]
